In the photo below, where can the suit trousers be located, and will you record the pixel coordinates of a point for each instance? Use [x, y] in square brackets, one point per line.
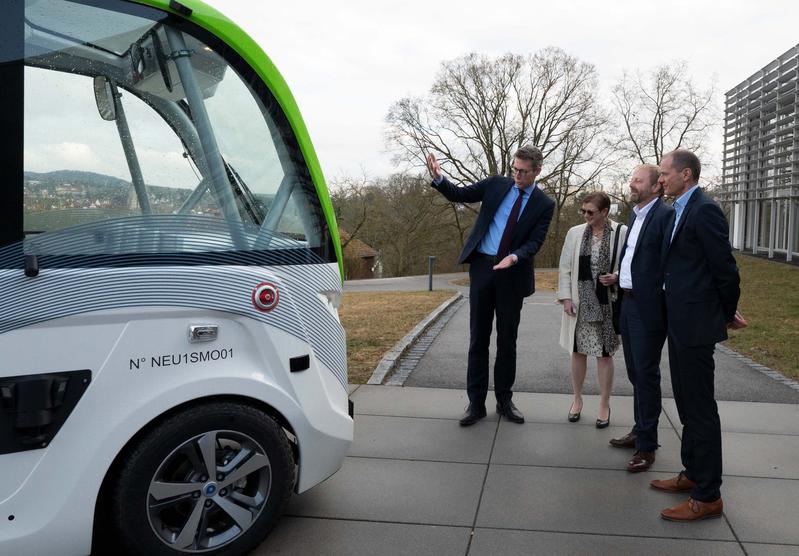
[491, 292]
[642, 350]
[692, 376]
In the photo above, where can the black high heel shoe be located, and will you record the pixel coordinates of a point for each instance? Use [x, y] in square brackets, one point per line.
[574, 417]
[603, 423]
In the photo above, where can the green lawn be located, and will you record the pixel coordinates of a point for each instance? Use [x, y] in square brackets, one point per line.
[770, 304]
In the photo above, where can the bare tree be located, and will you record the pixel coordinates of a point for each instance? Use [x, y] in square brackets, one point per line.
[351, 204]
[403, 218]
[480, 110]
[662, 110]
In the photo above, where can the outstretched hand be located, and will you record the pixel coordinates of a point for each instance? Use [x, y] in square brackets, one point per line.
[738, 322]
[433, 166]
[507, 262]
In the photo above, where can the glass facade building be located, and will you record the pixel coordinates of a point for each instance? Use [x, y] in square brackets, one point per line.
[761, 160]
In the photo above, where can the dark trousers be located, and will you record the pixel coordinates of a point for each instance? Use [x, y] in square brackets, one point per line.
[491, 292]
[692, 373]
[642, 350]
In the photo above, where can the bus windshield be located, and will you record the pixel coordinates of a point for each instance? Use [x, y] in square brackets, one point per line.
[144, 134]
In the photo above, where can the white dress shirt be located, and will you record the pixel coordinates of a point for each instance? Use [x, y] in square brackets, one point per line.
[625, 272]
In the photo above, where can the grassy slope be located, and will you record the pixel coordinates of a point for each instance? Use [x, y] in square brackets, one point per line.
[375, 321]
[770, 304]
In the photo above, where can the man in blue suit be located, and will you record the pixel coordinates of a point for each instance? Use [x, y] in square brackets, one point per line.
[643, 312]
[510, 229]
[701, 286]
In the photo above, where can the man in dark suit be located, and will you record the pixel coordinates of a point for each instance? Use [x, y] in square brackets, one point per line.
[643, 313]
[510, 229]
[701, 285]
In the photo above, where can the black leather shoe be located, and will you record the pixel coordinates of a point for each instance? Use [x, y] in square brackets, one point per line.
[472, 415]
[603, 423]
[626, 441]
[510, 411]
[574, 417]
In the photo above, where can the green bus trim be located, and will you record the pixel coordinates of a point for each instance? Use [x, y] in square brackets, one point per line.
[215, 22]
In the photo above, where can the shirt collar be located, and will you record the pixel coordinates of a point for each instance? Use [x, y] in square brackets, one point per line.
[529, 189]
[643, 211]
[683, 199]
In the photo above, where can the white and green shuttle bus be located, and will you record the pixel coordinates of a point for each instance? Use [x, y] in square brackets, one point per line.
[172, 364]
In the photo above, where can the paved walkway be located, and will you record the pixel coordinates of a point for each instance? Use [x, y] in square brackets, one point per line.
[416, 483]
[542, 366]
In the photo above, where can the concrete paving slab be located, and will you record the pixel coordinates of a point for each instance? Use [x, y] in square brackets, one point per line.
[334, 537]
[584, 501]
[761, 455]
[771, 549]
[771, 418]
[397, 401]
[489, 542]
[418, 492]
[352, 388]
[762, 510]
[570, 446]
[422, 439]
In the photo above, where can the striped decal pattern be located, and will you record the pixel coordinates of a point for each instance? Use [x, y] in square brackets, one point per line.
[63, 292]
[159, 240]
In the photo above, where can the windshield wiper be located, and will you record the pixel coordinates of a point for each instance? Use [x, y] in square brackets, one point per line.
[249, 203]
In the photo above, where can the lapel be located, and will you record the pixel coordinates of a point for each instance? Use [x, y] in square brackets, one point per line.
[623, 244]
[684, 216]
[647, 220]
[501, 193]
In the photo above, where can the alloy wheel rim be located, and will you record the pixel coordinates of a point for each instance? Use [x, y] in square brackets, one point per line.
[209, 491]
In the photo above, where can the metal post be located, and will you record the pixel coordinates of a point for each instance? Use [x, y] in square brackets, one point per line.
[430, 261]
[219, 180]
[130, 152]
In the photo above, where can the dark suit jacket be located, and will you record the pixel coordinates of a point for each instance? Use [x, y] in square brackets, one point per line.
[700, 275]
[646, 267]
[528, 235]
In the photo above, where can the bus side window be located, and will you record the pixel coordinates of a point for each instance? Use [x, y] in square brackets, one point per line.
[75, 170]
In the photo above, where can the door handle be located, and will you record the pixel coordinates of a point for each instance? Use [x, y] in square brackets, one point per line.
[31, 266]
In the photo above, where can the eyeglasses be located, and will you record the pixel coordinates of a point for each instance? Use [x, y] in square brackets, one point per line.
[519, 171]
[586, 212]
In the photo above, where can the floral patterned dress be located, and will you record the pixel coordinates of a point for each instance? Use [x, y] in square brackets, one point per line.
[588, 335]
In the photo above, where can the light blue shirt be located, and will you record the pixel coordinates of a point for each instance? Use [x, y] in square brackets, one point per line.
[490, 242]
[679, 207]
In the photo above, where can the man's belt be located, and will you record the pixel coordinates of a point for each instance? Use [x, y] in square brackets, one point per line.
[627, 291]
[493, 259]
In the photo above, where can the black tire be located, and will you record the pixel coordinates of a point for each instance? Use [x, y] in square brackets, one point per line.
[143, 522]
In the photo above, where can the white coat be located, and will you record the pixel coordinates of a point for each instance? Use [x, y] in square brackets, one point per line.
[567, 276]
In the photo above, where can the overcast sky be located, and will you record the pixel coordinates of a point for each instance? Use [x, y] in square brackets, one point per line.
[346, 62]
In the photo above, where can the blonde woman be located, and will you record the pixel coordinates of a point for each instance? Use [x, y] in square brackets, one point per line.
[589, 258]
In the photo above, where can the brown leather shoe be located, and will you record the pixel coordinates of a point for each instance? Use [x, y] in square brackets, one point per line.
[641, 462]
[626, 441]
[693, 510]
[680, 483]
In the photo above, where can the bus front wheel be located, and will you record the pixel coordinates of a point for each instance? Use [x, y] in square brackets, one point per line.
[212, 479]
